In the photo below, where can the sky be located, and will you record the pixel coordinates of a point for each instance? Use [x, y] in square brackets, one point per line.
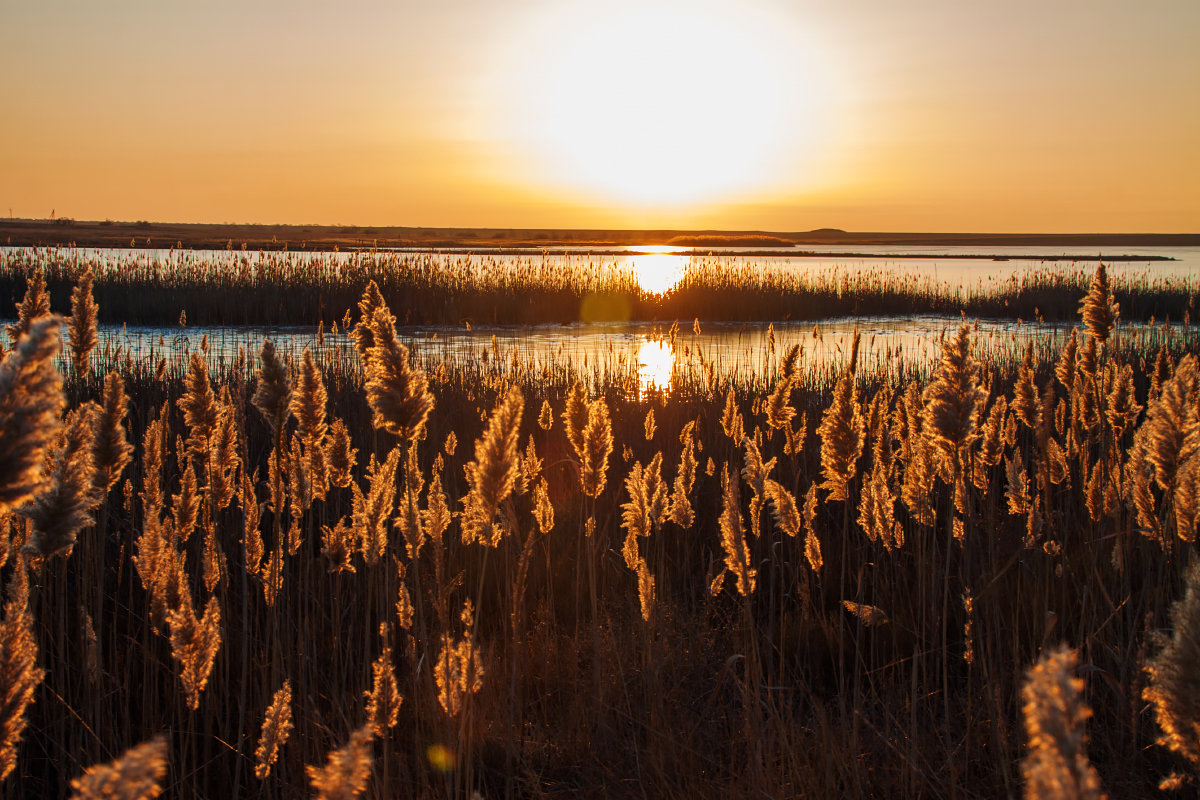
[927, 115]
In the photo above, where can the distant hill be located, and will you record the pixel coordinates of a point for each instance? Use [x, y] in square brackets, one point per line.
[108, 233]
[743, 240]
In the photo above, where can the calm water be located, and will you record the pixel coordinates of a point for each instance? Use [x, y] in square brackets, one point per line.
[643, 357]
[646, 355]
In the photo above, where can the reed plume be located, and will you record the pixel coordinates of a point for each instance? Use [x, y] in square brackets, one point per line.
[531, 467]
[223, 459]
[1057, 765]
[877, 509]
[1099, 308]
[842, 434]
[646, 507]
[731, 419]
[991, 447]
[346, 769]
[648, 425]
[796, 436]
[33, 306]
[409, 520]
[543, 508]
[458, 671]
[546, 416]
[1170, 434]
[1139, 473]
[300, 492]
[276, 727]
[185, 506]
[340, 455]
[111, 448]
[1164, 367]
[1017, 491]
[779, 410]
[64, 507]
[19, 673]
[755, 472]
[575, 418]
[1027, 404]
[494, 472]
[870, 616]
[308, 406]
[135, 775]
[371, 511]
[81, 325]
[398, 394]
[31, 402]
[733, 539]
[1121, 406]
[384, 699]
[363, 333]
[646, 589]
[1187, 499]
[1065, 369]
[272, 394]
[435, 517]
[272, 576]
[199, 406]
[1174, 676]
[252, 543]
[784, 508]
[338, 545]
[681, 512]
[954, 400]
[404, 605]
[597, 447]
[194, 645]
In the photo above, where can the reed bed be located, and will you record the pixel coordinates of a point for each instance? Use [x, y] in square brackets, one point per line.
[280, 288]
[350, 572]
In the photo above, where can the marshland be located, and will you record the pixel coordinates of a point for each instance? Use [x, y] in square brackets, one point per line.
[331, 554]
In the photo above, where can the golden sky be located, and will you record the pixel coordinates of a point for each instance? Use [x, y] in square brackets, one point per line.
[927, 115]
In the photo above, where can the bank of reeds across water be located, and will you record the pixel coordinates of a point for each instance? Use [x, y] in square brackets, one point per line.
[343, 576]
[273, 288]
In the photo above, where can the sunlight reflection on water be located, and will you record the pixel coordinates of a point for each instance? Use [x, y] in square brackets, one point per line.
[656, 364]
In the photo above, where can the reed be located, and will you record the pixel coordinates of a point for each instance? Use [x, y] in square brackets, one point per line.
[563, 628]
[136, 775]
[1057, 765]
[290, 288]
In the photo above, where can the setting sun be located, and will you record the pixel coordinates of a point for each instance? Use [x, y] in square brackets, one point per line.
[658, 273]
[650, 104]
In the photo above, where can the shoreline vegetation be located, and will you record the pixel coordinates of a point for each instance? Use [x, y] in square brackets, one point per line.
[343, 572]
[198, 236]
[295, 288]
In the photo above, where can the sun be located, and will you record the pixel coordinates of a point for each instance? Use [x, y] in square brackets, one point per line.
[651, 103]
[659, 273]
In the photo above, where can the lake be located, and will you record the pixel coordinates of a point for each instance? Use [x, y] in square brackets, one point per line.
[646, 355]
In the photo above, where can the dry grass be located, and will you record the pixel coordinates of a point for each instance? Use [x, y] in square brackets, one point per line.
[667, 594]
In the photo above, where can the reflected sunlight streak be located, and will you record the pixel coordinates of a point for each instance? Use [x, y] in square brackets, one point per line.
[656, 365]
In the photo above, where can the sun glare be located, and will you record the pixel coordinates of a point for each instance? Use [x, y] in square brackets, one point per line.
[656, 363]
[650, 103]
[658, 273]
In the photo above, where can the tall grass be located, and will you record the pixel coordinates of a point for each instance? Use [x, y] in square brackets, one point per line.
[307, 579]
[280, 288]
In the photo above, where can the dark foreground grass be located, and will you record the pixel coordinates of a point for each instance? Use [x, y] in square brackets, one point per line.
[868, 647]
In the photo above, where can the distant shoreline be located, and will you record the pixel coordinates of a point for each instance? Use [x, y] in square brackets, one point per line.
[25, 232]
